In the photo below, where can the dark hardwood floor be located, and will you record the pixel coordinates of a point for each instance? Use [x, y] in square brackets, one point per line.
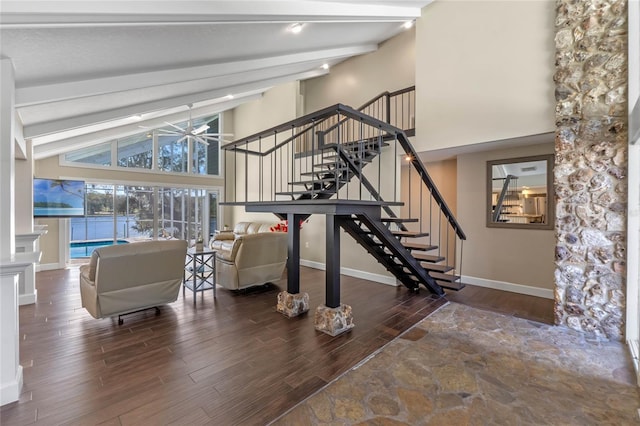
[232, 360]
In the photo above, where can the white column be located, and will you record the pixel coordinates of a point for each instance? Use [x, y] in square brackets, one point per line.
[10, 369]
[7, 160]
[26, 238]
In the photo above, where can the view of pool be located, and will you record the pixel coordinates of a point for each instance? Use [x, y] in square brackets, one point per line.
[85, 248]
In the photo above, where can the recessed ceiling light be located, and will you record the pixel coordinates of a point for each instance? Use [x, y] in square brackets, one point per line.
[295, 28]
[136, 117]
[325, 66]
[408, 24]
[229, 96]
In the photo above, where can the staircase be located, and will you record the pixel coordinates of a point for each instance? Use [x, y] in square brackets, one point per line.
[329, 155]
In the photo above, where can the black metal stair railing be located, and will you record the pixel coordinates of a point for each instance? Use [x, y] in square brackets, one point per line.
[342, 153]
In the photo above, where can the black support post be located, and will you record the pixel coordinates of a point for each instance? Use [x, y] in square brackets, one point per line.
[333, 261]
[293, 262]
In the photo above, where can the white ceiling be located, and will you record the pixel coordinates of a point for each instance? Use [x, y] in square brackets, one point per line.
[83, 68]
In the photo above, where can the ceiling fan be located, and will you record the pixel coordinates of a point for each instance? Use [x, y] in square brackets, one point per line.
[199, 133]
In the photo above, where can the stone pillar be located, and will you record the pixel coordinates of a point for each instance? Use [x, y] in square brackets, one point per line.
[292, 305]
[590, 174]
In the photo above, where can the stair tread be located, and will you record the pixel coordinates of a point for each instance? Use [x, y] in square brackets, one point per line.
[428, 257]
[455, 286]
[444, 277]
[436, 267]
[418, 246]
[324, 172]
[317, 191]
[315, 181]
[398, 219]
[410, 234]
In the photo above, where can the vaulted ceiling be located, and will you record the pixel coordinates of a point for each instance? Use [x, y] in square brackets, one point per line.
[88, 71]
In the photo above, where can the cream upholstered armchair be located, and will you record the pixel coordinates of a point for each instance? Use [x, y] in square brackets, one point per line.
[251, 255]
[129, 277]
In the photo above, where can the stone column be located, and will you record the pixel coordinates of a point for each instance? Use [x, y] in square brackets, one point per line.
[590, 174]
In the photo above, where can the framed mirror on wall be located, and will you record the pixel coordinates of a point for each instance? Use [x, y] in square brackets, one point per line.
[520, 193]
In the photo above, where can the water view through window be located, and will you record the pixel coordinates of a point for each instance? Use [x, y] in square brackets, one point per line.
[121, 214]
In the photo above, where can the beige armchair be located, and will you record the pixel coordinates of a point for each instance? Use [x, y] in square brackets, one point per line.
[251, 255]
[130, 277]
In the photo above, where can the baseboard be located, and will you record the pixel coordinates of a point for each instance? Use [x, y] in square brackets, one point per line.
[634, 350]
[382, 279]
[48, 267]
[505, 286]
[10, 392]
[28, 299]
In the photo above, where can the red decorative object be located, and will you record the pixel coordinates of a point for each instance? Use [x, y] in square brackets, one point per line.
[283, 226]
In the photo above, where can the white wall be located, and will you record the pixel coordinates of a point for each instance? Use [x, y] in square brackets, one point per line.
[484, 71]
[24, 187]
[359, 79]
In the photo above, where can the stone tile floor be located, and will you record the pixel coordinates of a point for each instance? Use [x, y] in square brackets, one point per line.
[465, 366]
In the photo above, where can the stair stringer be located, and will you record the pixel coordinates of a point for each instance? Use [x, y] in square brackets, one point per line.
[396, 249]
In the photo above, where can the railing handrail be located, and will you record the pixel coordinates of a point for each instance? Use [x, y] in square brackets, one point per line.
[296, 122]
[319, 116]
[387, 94]
[419, 166]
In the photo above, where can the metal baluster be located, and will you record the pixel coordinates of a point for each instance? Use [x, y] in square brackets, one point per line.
[409, 196]
[246, 172]
[287, 165]
[313, 157]
[335, 169]
[379, 163]
[461, 247]
[360, 147]
[261, 168]
[448, 241]
[440, 233]
[421, 187]
[430, 217]
[395, 169]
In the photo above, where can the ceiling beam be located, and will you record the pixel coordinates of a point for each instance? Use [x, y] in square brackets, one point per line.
[34, 95]
[40, 129]
[82, 141]
[34, 13]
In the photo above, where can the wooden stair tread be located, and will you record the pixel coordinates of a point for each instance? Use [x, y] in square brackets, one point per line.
[444, 277]
[315, 181]
[418, 246]
[307, 192]
[398, 220]
[436, 267]
[410, 234]
[428, 257]
[455, 286]
[324, 172]
[334, 164]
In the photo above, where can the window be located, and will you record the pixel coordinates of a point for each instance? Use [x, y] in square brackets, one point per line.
[119, 214]
[165, 149]
[172, 154]
[99, 155]
[136, 151]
